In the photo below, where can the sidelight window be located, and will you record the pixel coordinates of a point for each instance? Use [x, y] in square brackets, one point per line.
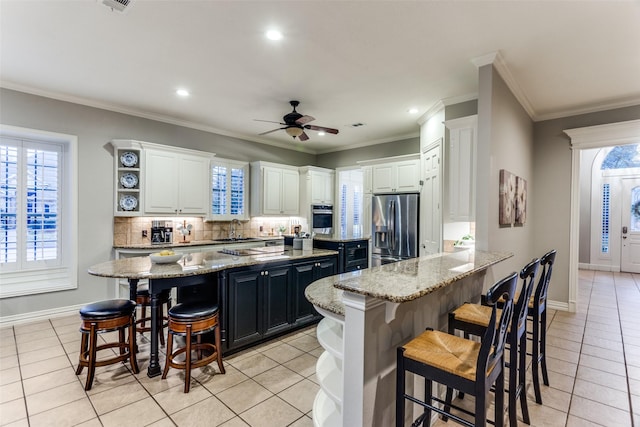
[229, 181]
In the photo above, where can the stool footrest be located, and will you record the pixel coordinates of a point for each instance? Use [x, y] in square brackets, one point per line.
[194, 363]
[84, 356]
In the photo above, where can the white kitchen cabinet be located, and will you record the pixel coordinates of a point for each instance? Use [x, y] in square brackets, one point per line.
[396, 177]
[316, 186]
[462, 167]
[274, 189]
[176, 183]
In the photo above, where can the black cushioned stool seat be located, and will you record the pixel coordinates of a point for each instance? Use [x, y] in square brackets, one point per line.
[106, 316]
[143, 299]
[189, 319]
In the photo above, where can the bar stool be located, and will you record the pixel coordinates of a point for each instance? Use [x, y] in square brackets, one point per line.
[474, 319]
[538, 313]
[143, 299]
[106, 316]
[469, 366]
[189, 319]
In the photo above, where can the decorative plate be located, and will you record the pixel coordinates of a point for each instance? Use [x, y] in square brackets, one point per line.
[128, 202]
[129, 180]
[129, 159]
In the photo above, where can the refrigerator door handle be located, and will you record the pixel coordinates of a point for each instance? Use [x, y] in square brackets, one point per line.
[392, 224]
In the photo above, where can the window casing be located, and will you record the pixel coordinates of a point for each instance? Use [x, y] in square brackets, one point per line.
[350, 203]
[38, 243]
[229, 184]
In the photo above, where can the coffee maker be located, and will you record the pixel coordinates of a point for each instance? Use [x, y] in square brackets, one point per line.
[161, 232]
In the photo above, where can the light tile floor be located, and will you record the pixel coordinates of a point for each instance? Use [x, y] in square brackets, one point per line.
[593, 361]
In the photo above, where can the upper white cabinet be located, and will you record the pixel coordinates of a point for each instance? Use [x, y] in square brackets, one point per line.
[274, 189]
[176, 183]
[396, 177]
[229, 190]
[154, 179]
[462, 167]
[316, 186]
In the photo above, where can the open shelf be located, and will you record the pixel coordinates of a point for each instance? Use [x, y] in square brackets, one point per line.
[329, 373]
[330, 337]
[325, 412]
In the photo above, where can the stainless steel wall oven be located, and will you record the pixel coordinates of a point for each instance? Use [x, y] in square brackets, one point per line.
[322, 219]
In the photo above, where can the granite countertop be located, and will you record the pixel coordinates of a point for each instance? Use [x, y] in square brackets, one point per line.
[402, 281]
[198, 263]
[196, 243]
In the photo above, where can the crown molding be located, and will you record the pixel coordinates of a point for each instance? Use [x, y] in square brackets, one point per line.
[370, 143]
[460, 99]
[145, 115]
[589, 109]
[432, 111]
[605, 135]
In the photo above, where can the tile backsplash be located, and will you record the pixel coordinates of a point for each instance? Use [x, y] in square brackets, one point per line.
[128, 230]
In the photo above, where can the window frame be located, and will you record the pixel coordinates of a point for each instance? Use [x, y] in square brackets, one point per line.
[229, 164]
[63, 273]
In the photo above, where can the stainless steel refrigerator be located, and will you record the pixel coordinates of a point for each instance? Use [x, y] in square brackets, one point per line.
[395, 227]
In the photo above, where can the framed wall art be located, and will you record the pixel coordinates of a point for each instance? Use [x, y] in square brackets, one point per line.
[521, 201]
[507, 201]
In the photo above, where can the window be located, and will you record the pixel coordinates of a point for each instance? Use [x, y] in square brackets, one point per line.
[622, 157]
[37, 215]
[228, 189]
[604, 247]
[350, 187]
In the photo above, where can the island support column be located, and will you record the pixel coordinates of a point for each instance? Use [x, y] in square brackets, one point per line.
[373, 330]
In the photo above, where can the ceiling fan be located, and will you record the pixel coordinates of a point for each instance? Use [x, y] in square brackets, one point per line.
[295, 124]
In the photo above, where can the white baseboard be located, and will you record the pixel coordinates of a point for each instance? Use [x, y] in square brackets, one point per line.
[36, 316]
[599, 267]
[557, 305]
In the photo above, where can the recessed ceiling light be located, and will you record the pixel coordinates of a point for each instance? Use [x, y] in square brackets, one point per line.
[321, 133]
[413, 110]
[274, 35]
[182, 92]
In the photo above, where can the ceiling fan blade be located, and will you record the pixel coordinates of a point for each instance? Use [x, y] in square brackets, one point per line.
[269, 131]
[303, 137]
[322, 129]
[269, 121]
[304, 119]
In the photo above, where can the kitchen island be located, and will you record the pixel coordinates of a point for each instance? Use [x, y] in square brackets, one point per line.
[369, 313]
[260, 291]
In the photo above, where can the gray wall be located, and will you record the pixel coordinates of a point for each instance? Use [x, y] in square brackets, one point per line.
[505, 141]
[463, 109]
[350, 157]
[552, 187]
[95, 128]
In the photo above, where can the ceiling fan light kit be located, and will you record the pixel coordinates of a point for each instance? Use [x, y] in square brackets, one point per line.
[295, 123]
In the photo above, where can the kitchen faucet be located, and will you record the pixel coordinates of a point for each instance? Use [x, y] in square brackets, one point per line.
[232, 229]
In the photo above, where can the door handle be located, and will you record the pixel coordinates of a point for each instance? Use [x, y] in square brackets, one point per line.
[624, 229]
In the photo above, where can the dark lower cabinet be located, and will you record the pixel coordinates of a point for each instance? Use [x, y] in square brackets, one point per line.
[267, 300]
[304, 274]
[352, 255]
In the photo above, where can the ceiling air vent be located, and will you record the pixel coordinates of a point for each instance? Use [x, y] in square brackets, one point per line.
[117, 5]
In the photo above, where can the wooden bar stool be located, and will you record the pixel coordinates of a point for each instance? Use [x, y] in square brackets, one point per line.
[143, 299]
[469, 366]
[107, 316]
[538, 313]
[189, 319]
[474, 319]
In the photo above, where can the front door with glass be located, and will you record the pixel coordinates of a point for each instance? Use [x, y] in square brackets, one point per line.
[630, 250]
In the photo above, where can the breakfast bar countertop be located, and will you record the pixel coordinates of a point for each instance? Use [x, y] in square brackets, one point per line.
[197, 263]
[402, 281]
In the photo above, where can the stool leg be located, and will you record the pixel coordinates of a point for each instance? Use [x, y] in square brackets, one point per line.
[535, 358]
[543, 346]
[143, 315]
[83, 349]
[169, 354]
[132, 344]
[499, 403]
[187, 361]
[400, 388]
[219, 349]
[513, 378]
[121, 340]
[522, 377]
[428, 390]
[93, 344]
[447, 406]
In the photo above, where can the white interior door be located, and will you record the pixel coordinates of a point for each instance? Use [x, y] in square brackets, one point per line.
[630, 233]
[431, 224]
